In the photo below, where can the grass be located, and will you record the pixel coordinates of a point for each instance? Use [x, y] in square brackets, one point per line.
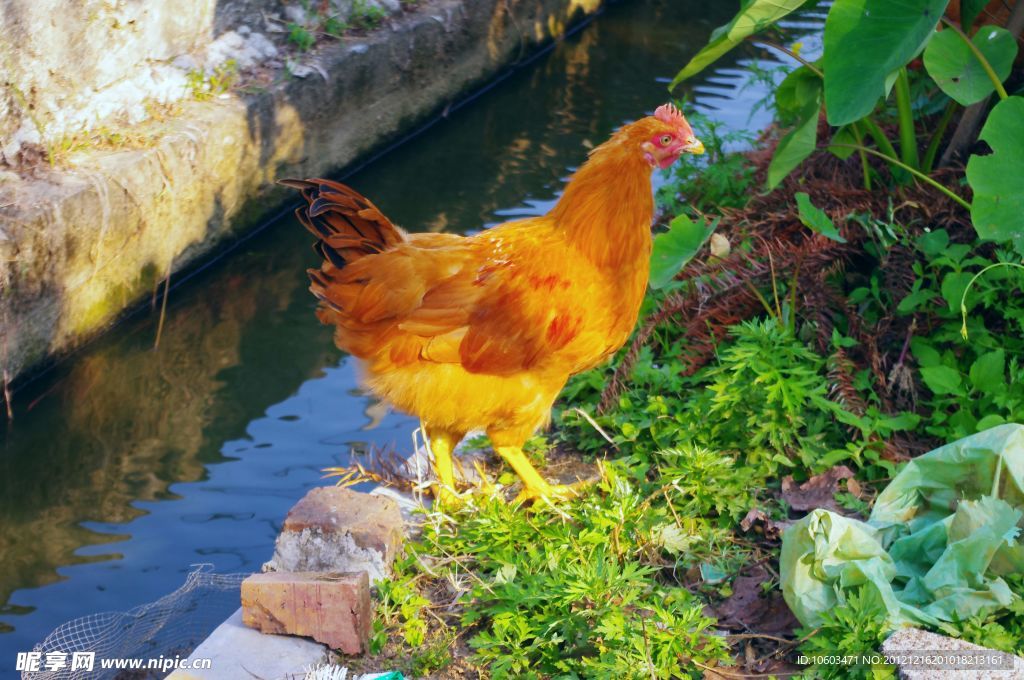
[363, 16]
[206, 85]
[366, 15]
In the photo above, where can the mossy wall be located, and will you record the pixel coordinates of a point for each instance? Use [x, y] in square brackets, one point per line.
[81, 243]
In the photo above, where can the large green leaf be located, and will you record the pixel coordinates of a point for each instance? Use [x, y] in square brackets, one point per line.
[799, 88]
[754, 16]
[969, 11]
[798, 99]
[998, 178]
[956, 69]
[865, 41]
[675, 247]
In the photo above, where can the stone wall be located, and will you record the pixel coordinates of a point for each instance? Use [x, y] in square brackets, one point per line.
[81, 241]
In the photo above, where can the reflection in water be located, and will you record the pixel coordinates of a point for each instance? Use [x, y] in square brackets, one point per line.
[129, 465]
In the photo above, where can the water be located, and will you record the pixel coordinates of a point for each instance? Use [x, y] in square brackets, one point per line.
[127, 465]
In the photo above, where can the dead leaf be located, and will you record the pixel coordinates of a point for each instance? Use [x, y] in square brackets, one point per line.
[720, 247]
[750, 608]
[759, 522]
[853, 486]
[817, 492]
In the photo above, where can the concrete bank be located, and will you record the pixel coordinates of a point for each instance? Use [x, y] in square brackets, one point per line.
[82, 241]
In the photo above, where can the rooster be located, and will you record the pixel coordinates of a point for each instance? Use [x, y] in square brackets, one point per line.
[482, 332]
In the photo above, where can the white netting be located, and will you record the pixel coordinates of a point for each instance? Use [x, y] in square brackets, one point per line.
[170, 627]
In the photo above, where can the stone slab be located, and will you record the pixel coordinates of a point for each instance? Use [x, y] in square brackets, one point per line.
[237, 652]
[914, 646]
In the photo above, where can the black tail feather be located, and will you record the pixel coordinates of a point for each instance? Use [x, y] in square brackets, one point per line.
[347, 226]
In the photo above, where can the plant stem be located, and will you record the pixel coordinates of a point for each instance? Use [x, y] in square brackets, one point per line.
[864, 166]
[989, 71]
[908, 136]
[876, 134]
[933, 146]
[163, 305]
[913, 171]
[963, 298]
[763, 301]
[791, 53]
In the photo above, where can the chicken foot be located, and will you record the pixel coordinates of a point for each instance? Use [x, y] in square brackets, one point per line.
[441, 444]
[535, 487]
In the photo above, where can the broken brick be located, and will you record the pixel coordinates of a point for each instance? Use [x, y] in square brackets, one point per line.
[340, 530]
[332, 608]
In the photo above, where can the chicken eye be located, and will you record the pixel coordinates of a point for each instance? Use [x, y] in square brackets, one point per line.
[666, 140]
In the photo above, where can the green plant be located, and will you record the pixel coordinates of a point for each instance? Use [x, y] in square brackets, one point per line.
[717, 179]
[334, 27]
[768, 397]
[400, 607]
[850, 634]
[848, 82]
[367, 15]
[207, 85]
[301, 37]
[570, 592]
[675, 247]
[708, 483]
[970, 359]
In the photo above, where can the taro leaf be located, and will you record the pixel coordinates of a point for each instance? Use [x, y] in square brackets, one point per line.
[675, 247]
[957, 70]
[865, 41]
[799, 88]
[798, 98]
[754, 16]
[969, 11]
[845, 137]
[998, 178]
[815, 219]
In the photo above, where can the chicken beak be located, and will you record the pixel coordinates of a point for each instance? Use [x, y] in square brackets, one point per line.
[694, 146]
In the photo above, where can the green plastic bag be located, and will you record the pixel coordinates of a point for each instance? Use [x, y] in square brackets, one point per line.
[938, 541]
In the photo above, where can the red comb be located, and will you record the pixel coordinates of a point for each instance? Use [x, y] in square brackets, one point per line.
[668, 113]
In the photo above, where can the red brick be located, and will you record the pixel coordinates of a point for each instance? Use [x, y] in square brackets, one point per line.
[332, 608]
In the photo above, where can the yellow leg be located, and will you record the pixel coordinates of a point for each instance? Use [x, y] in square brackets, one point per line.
[441, 445]
[534, 486]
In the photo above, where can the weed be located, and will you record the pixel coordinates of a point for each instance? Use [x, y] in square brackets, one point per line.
[977, 383]
[334, 27]
[207, 85]
[100, 138]
[854, 628]
[718, 179]
[1004, 630]
[708, 483]
[575, 592]
[301, 37]
[367, 15]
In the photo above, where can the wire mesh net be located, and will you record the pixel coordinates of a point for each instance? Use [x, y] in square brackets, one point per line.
[171, 627]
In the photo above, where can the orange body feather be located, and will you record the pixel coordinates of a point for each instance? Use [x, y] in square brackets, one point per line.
[482, 332]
